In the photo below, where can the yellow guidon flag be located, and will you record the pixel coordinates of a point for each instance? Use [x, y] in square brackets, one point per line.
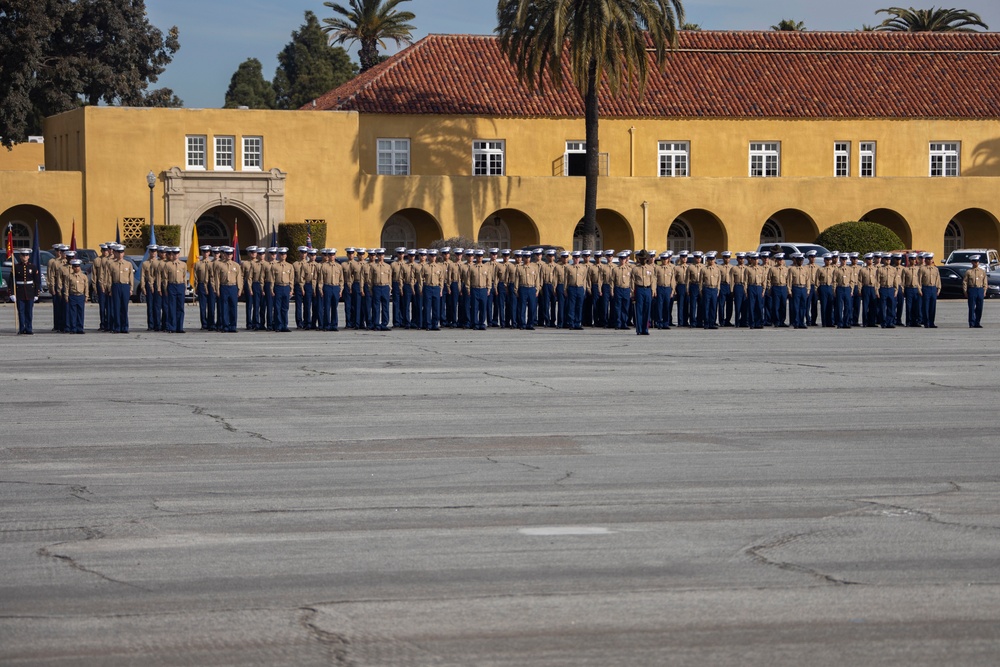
[193, 256]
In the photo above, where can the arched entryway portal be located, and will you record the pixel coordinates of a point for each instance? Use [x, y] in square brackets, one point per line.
[697, 229]
[24, 217]
[508, 228]
[219, 226]
[789, 225]
[410, 227]
[977, 228]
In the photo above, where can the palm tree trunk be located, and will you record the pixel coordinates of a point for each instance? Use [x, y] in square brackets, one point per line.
[593, 159]
[368, 54]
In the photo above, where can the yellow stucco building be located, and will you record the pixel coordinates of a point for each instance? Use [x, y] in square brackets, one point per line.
[747, 137]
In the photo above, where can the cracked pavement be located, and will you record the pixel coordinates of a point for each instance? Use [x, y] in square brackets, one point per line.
[498, 498]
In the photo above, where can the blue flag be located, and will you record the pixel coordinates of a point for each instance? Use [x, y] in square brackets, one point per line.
[118, 233]
[152, 241]
[36, 251]
[274, 235]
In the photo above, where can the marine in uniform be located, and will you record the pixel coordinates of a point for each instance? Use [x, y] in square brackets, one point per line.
[887, 278]
[149, 287]
[643, 291]
[800, 281]
[282, 279]
[695, 314]
[329, 284]
[434, 275]
[380, 279]
[251, 270]
[397, 287]
[777, 283]
[974, 284]
[27, 283]
[527, 282]
[737, 278]
[53, 276]
[709, 287]
[755, 279]
[621, 288]
[869, 295]
[726, 297]
[203, 282]
[98, 285]
[121, 274]
[174, 273]
[75, 289]
[576, 277]
[478, 283]
[227, 280]
[911, 290]
[930, 287]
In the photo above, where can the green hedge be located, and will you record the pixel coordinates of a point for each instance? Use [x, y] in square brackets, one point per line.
[860, 236]
[293, 234]
[165, 235]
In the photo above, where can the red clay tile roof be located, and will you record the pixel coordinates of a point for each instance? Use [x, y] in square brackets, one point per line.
[712, 75]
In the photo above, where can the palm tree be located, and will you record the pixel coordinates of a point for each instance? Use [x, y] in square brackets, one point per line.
[604, 40]
[930, 20]
[789, 25]
[371, 23]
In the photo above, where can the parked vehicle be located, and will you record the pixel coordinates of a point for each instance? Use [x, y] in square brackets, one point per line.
[951, 281]
[989, 258]
[789, 247]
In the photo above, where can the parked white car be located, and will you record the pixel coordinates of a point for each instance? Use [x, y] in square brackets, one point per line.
[989, 258]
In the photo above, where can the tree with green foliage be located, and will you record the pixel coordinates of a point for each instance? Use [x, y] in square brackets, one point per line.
[249, 88]
[695, 27]
[930, 20]
[859, 236]
[615, 41]
[309, 66]
[370, 23]
[56, 55]
[789, 25]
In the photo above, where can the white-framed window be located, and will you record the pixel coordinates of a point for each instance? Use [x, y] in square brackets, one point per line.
[575, 159]
[253, 153]
[674, 158]
[488, 157]
[224, 148]
[866, 158]
[394, 157]
[765, 159]
[842, 159]
[196, 151]
[944, 158]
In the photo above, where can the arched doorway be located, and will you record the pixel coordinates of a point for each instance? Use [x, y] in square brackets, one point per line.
[954, 237]
[508, 228]
[616, 232]
[24, 217]
[697, 229]
[418, 227]
[396, 232]
[789, 225]
[980, 229]
[219, 226]
[894, 221]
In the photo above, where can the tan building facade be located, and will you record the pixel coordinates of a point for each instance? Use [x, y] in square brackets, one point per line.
[416, 150]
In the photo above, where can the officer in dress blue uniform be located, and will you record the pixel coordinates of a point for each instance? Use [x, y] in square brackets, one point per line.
[27, 282]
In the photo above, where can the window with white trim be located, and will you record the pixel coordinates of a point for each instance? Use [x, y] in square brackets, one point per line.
[575, 159]
[842, 159]
[224, 148]
[253, 153]
[765, 159]
[866, 157]
[196, 151]
[488, 157]
[674, 157]
[944, 159]
[394, 157]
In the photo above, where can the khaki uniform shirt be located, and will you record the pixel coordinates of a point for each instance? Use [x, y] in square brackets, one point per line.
[755, 276]
[887, 276]
[777, 275]
[203, 272]
[379, 274]
[738, 276]
[121, 272]
[76, 284]
[711, 276]
[866, 276]
[693, 273]
[644, 275]
[974, 278]
[173, 273]
[666, 276]
[528, 275]
[330, 273]
[151, 276]
[282, 274]
[799, 276]
[227, 273]
[433, 274]
[479, 276]
[930, 276]
[621, 276]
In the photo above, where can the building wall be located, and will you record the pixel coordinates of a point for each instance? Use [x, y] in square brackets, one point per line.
[322, 165]
[22, 157]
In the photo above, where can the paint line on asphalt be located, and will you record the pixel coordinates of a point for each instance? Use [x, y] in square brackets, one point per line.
[548, 531]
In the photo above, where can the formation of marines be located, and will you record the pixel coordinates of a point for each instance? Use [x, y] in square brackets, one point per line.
[474, 289]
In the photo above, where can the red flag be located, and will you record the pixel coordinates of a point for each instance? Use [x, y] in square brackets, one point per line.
[10, 242]
[236, 242]
[72, 238]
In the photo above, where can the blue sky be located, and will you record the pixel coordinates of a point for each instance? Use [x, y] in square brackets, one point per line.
[217, 35]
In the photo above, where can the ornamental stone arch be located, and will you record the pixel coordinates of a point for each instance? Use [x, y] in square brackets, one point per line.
[259, 197]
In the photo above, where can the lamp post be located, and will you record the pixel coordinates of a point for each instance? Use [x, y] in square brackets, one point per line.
[151, 181]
